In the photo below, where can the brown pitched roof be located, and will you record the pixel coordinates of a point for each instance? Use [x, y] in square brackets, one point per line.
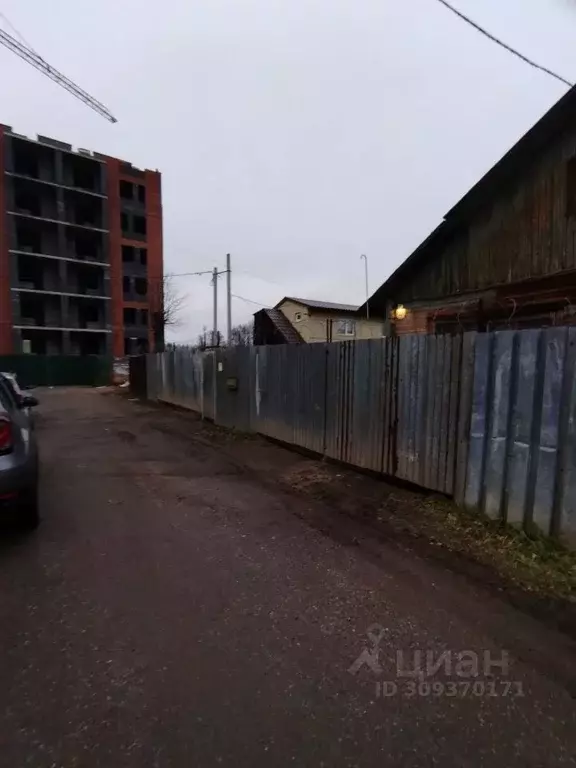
[284, 326]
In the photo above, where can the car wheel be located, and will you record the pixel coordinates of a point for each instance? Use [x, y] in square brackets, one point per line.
[30, 512]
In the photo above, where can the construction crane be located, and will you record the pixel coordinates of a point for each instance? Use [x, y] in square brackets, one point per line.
[37, 61]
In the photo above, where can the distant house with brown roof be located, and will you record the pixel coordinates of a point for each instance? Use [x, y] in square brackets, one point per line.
[297, 321]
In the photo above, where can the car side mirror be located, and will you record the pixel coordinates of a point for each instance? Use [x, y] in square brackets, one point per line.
[28, 401]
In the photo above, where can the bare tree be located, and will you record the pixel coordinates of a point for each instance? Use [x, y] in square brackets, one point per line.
[204, 340]
[242, 335]
[171, 303]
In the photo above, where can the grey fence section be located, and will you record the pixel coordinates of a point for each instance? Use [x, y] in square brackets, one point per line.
[289, 394]
[176, 377]
[489, 419]
[522, 445]
[429, 376]
[361, 385]
[234, 387]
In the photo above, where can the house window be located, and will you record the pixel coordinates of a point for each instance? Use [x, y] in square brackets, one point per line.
[124, 224]
[346, 327]
[298, 317]
[141, 193]
[127, 253]
[140, 286]
[129, 316]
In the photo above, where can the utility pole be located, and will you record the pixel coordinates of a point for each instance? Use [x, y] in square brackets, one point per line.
[215, 321]
[366, 281]
[229, 299]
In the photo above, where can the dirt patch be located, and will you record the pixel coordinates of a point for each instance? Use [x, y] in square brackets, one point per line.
[533, 572]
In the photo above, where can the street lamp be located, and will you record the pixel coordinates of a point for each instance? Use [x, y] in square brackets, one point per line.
[366, 280]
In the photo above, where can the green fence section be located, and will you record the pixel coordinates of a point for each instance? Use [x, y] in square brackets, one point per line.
[59, 370]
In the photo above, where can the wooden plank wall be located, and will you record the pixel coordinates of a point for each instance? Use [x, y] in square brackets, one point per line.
[525, 230]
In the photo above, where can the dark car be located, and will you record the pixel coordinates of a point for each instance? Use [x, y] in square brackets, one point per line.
[18, 457]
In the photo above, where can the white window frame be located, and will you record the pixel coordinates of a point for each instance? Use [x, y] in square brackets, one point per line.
[346, 327]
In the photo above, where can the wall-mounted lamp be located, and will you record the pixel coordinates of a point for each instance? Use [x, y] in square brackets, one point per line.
[400, 312]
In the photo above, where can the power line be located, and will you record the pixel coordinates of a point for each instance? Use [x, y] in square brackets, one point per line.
[259, 277]
[188, 274]
[504, 45]
[243, 298]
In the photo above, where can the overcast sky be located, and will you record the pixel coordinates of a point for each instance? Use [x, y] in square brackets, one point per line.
[295, 134]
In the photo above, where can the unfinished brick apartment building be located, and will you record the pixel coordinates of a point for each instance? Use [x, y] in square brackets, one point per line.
[80, 251]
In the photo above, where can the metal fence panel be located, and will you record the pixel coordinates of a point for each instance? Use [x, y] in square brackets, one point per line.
[289, 394]
[234, 387]
[498, 424]
[209, 385]
[428, 395]
[528, 368]
[564, 521]
[545, 487]
[368, 396]
[521, 463]
[390, 435]
[339, 399]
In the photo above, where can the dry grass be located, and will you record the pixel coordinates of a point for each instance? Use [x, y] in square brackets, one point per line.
[531, 561]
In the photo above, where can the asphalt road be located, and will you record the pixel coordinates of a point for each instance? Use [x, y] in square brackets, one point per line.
[175, 610]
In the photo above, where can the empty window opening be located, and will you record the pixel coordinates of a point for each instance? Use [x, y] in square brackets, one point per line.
[129, 316]
[25, 201]
[140, 286]
[124, 223]
[28, 239]
[91, 344]
[126, 190]
[89, 316]
[143, 256]
[141, 193]
[144, 317]
[89, 281]
[126, 287]
[26, 164]
[139, 224]
[92, 314]
[30, 273]
[127, 253]
[85, 245]
[32, 309]
[82, 173]
[33, 160]
[87, 213]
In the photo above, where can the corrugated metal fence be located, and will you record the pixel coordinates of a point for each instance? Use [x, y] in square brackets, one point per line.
[487, 418]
